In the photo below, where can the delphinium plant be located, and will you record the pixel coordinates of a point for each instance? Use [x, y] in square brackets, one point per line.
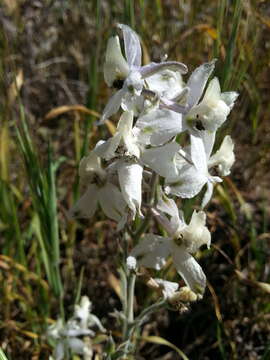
[160, 153]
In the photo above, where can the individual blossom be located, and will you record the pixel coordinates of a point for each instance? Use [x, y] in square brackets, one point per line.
[195, 173]
[69, 337]
[99, 191]
[123, 142]
[167, 288]
[184, 239]
[178, 297]
[212, 111]
[127, 75]
[130, 174]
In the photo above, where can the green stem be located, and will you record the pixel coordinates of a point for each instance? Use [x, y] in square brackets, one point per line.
[130, 305]
[129, 277]
[124, 296]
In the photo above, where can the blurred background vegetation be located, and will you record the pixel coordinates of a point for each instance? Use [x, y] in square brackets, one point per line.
[52, 92]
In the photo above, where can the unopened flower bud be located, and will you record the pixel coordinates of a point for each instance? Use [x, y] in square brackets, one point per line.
[185, 294]
[131, 263]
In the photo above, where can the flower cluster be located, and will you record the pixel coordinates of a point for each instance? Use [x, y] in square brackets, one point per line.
[68, 337]
[157, 106]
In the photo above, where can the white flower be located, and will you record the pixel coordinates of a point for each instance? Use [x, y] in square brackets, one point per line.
[168, 288]
[100, 191]
[116, 67]
[163, 160]
[66, 339]
[83, 315]
[153, 250]
[213, 110]
[130, 180]
[123, 141]
[82, 311]
[157, 127]
[193, 235]
[224, 157]
[67, 335]
[194, 174]
[55, 329]
[166, 83]
[185, 172]
[195, 85]
[128, 75]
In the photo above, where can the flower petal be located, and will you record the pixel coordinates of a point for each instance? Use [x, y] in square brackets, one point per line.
[197, 82]
[162, 159]
[196, 234]
[152, 251]
[59, 351]
[169, 207]
[86, 206]
[112, 106]
[224, 157]
[76, 345]
[132, 102]
[82, 311]
[198, 155]
[188, 184]
[153, 68]
[213, 92]
[212, 111]
[208, 138]
[125, 128]
[188, 268]
[158, 127]
[166, 83]
[107, 149]
[208, 194]
[130, 180]
[89, 166]
[168, 287]
[112, 202]
[94, 321]
[132, 46]
[115, 66]
[229, 98]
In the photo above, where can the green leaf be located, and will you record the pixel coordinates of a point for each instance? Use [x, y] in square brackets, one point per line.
[2, 355]
[161, 341]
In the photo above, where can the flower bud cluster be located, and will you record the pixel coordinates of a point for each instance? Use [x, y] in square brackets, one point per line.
[157, 105]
